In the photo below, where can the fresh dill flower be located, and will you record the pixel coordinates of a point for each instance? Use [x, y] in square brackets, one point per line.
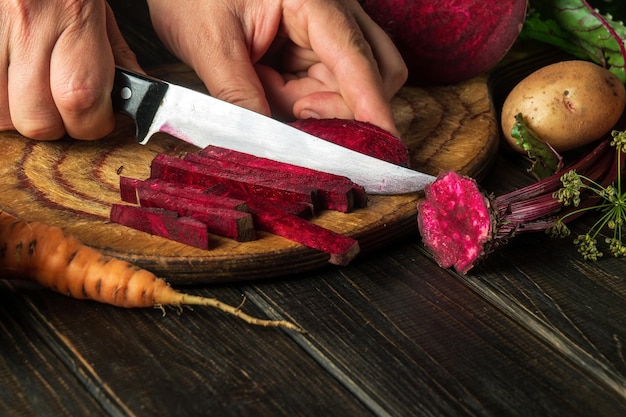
[570, 193]
[612, 205]
[619, 140]
[587, 247]
[558, 229]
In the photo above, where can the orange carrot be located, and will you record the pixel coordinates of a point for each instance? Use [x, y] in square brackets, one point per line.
[60, 262]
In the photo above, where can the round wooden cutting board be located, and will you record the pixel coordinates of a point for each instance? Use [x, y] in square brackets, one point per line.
[72, 184]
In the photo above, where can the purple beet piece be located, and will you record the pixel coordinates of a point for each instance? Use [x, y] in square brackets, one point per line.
[336, 192]
[342, 249]
[362, 137]
[454, 221]
[163, 223]
[177, 170]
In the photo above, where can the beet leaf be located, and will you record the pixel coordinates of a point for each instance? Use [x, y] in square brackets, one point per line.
[579, 29]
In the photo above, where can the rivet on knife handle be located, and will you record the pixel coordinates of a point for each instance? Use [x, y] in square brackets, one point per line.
[139, 97]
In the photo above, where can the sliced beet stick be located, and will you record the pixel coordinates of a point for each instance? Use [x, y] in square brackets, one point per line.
[336, 192]
[196, 193]
[342, 249]
[240, 185]
[231, 223]
[163, 223]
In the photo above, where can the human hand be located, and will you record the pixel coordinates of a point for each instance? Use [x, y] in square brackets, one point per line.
[57, 62]
[289, 58]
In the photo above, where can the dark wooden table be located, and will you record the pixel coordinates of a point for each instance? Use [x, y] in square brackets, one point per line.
[532, 331]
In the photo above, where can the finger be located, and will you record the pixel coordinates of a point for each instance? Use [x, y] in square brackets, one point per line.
[31, 106]
[337, 39]
[296, 95]
[81, 77]
[5, 115]
[322, 105]
[229, 75]
[390, 63]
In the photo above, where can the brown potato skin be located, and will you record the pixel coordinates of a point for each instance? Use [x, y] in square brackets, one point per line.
[567, 104]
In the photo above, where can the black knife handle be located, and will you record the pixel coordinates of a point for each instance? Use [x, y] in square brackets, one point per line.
[139, 97]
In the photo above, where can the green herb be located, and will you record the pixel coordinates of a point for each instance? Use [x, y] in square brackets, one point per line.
[612, 205]
[545, 159]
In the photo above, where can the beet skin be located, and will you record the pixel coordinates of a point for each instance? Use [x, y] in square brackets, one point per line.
[358, 136]
[444, 41]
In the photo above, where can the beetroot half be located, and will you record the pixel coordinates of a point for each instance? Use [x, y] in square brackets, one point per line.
[460, 225]
[445, 42]
[454, 221]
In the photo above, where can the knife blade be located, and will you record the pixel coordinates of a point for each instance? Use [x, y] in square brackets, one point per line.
[197, 118]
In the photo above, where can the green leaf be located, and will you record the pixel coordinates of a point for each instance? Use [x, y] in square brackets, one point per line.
[577, 28]
[545, 159]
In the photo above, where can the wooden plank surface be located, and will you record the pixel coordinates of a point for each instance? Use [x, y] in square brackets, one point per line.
[34, 380]
[390, 336]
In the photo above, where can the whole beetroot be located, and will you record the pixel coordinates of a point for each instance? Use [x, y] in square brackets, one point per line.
[444, 41]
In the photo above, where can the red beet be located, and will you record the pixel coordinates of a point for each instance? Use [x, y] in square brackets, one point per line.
[342, 249]
[444, 41]
[163, 223]
[460, 225]
[128, 189]
[328, 181]
[334, 193]
[177, 170]
[454, 221]
[231, 223]
[196, 193]
[296, 208]
[362, 137]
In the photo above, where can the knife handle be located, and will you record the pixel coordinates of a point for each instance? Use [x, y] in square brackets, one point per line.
[139, 97]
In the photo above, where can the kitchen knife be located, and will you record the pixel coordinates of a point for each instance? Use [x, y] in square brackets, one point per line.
[202, 120]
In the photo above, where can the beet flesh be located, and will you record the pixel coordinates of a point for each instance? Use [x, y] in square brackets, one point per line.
[446, 42]
[455, 221]
[342, 249]
[332, 196]
[242, 184]
[336, 192]
[163, 223]
[236, 224]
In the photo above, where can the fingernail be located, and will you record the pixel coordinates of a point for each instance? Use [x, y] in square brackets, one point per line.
[309, 114]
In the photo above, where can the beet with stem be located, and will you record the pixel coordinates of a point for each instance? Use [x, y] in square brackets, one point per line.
[460, 225]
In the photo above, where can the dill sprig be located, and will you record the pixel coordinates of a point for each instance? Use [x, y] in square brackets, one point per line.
[612, 205]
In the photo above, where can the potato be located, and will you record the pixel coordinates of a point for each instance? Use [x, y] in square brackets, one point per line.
[567, 104]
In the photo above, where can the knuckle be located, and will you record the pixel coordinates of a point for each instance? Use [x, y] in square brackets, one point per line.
[41, 130]
[78, 98]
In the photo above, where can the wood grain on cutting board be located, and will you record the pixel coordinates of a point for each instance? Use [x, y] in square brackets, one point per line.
[72, 184]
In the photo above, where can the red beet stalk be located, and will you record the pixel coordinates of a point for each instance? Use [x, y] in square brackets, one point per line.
[460, 225]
